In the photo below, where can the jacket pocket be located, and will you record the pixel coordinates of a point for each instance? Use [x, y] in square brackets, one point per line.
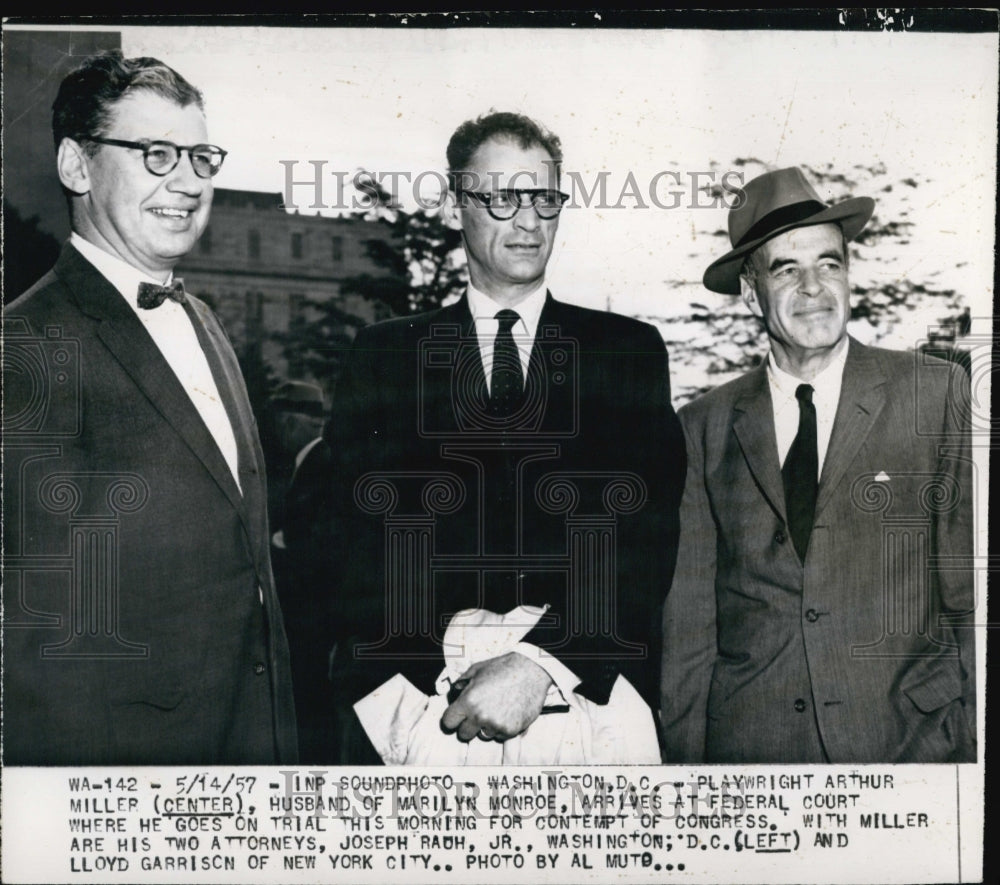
[942, 686]
[164, 699]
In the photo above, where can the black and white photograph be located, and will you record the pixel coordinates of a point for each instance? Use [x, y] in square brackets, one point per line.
[496, 447]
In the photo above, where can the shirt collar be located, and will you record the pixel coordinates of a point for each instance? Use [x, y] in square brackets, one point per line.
[827, 380]
[122, 275]
[529, 310]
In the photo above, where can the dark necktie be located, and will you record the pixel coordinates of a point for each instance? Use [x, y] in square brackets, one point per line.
[152, 296]
[800, 473]
[506, 380]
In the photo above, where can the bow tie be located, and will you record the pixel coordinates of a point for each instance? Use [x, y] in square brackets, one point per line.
[151, 295]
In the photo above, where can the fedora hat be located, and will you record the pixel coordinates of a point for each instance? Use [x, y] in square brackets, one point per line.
[298, 396]
[771, 204]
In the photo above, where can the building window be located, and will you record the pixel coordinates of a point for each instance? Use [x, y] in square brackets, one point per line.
[205, 243]
[295, 312]
[253, 243]
[337, 249]
[296, 245]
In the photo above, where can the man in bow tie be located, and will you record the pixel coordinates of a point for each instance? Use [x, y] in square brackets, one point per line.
[141, 623]
[822, 605]
[508, 450]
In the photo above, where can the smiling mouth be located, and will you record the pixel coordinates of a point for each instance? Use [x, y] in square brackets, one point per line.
[165, 212]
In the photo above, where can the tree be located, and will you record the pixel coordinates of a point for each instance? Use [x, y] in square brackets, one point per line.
[29, 252]
[422, 265]
[423, 260]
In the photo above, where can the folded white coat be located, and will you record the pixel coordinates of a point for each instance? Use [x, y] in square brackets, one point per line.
[404, 724]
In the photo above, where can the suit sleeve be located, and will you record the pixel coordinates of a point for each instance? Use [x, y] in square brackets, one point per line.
[954, 534]
[347, 544]
[689, 616]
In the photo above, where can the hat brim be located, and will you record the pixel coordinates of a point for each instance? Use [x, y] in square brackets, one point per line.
[723, 275]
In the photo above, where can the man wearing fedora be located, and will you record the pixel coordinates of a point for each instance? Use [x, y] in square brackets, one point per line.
[822, 605]
[292, 425]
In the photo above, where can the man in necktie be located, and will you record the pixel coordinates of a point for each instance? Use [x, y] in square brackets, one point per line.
[525, 450]
[141, 624]
[822, 605]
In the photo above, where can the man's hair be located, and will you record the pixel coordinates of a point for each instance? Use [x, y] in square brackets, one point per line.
[88, 95]
[501, 126]
[752, 270]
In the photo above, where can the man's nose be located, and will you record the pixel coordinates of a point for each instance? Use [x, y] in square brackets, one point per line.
[527, 218]
[183, 179]
[809, 281]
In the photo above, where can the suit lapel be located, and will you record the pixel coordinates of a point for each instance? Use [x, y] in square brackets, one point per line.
[548, 320]
[753, 424]
[461, 391]
[460, 315]
[862, 397]
[564, 403]
[124, 336]
[229, 383]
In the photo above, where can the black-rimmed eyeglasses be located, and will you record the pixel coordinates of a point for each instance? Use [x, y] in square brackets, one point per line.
[504, 205]
[162, 157]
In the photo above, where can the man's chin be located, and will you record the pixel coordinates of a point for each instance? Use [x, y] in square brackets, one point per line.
[822, 338]
[525, 273]
[169, 252]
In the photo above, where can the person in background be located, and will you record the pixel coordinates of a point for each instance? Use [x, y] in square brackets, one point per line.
[295, 417]
[296, 456]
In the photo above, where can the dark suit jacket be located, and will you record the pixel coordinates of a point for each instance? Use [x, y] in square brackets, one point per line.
[864, 652]
[582, 487]
[134, 630]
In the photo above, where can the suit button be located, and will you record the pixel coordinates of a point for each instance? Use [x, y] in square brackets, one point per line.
[780, 537]
[800, 706]
[812, 616]
[259, 668]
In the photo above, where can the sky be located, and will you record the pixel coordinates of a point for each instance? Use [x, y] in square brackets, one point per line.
[628, 104]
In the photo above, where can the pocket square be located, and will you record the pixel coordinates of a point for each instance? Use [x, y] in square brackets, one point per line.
[882, 476]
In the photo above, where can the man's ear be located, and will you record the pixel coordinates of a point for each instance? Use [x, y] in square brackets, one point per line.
[451, 214]
[749, 294]
[73, 166]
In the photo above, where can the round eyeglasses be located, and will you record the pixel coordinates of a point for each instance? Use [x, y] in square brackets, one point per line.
[162, 157]
[504, 205]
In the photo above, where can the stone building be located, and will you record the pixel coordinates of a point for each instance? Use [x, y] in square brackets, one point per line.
[262, 268]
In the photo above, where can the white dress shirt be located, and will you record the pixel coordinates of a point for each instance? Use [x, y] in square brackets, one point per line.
[484, 310]
[826, 396]
[170, 328]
